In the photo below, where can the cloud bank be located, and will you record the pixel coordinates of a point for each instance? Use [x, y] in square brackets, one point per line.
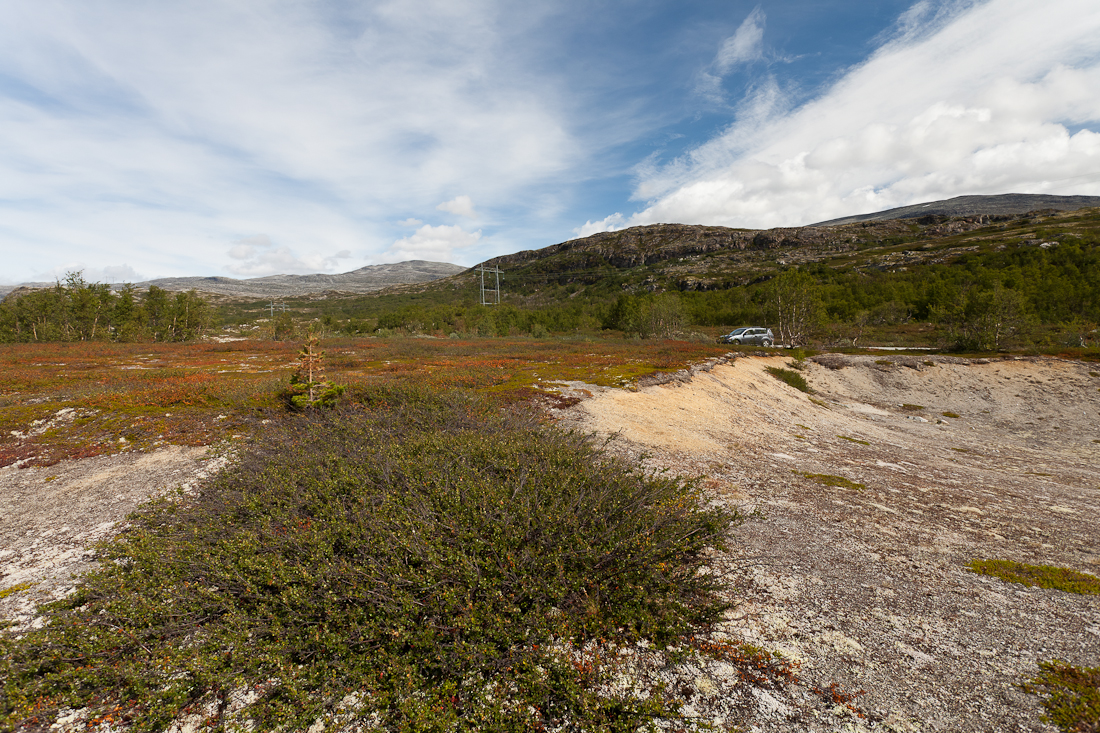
[966, 98]
[257, 256]
[433, 243]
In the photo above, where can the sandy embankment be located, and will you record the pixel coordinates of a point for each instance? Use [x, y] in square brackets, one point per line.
[867, 587]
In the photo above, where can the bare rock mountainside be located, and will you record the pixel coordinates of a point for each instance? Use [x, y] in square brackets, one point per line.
[1003, 205]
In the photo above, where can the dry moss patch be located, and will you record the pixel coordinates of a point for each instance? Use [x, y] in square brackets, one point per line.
[1042, 576]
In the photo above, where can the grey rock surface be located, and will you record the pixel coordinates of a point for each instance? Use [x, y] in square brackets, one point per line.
[1001, 205]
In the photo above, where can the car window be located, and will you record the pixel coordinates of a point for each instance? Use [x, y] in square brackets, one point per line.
[738, 331]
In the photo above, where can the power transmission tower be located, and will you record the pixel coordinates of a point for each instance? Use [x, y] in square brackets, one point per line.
[490, 296]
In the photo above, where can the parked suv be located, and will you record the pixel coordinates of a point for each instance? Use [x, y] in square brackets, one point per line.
[748, 335]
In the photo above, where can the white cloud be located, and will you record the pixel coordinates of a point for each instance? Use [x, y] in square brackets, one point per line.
[746, 45]
[608, 224]
[316, 120]
[108, 274]
[460, 206]
[984, 102]
[435, 244]
[259, 256]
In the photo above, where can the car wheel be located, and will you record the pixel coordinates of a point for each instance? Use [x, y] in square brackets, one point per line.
[766, 342]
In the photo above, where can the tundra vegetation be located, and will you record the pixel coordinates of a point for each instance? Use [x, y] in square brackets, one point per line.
[1041, 576]
[1019, 282]
[422, 560]
[1071, 695]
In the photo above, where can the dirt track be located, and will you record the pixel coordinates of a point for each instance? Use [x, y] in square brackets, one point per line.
[867, 587]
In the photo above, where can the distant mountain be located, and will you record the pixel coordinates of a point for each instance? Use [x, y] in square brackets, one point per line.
[1000, 205]
[364, 280]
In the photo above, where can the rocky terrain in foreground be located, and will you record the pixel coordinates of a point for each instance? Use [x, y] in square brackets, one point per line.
[864, 585]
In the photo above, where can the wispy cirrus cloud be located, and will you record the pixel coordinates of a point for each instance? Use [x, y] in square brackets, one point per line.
[746, 45]
[313, 122]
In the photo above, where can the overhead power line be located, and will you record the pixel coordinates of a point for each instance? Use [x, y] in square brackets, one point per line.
[490, 295]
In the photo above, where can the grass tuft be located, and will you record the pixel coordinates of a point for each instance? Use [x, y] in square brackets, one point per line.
[1042, 576]
[950, 414]
[1071, 695]
[853, 440]
[789, 377]
[827, 480]
[418, 561]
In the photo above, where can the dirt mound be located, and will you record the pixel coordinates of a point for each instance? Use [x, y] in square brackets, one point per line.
[935, 461]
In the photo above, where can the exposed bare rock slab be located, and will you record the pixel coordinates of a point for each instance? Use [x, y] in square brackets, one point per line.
[51, 517]
[867, 586]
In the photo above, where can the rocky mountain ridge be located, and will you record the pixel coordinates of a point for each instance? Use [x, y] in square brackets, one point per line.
[700, 257]
[1001, 205]
[364, 280]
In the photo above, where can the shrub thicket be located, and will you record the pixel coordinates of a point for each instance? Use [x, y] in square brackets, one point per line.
[77, 310]
[416, 562]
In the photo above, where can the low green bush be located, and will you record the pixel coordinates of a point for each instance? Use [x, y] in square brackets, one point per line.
[1042, 576]
[1071, 695]
[828, 480]
[417, 561]
[790, 377]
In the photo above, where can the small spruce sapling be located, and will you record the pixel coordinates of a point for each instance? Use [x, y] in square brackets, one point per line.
[308, 385]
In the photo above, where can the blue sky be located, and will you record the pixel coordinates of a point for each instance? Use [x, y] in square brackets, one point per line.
[256, 137]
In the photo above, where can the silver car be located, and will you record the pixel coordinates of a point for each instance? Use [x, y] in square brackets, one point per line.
[748, 335]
